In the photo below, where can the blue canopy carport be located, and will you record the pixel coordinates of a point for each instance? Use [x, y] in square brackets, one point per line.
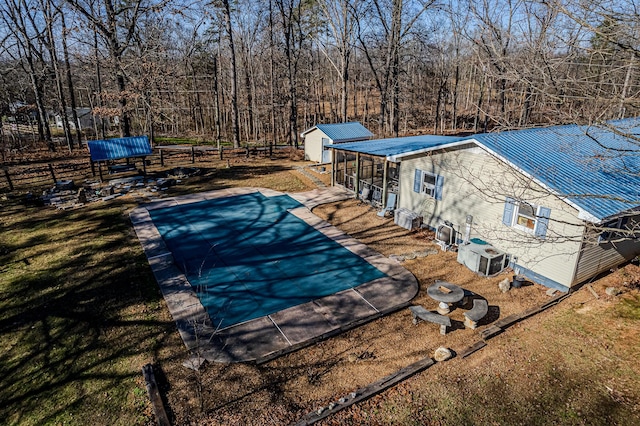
[109, 150]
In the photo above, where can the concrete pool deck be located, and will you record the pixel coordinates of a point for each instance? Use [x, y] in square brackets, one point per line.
[272, 335]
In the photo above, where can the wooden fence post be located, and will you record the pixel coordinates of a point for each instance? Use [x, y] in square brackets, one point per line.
[6, 174]
[154, 396]
[53, 175]
[162, 158]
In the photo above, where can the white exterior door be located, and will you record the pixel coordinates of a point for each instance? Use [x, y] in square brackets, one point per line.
[326, 153]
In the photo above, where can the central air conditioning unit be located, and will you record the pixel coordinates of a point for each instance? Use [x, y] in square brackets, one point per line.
[483, 259]
[407, 219]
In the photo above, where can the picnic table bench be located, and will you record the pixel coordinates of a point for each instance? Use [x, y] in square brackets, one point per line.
[420, 313]
[479, 310]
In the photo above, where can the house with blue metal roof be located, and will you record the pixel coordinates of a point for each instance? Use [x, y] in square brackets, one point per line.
[558, 204]
[320, 136]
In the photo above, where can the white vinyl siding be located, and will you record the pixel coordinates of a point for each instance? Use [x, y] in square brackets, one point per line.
[475, 184]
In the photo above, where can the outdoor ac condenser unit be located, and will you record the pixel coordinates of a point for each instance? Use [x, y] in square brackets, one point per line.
[407, 219]
[482, 258]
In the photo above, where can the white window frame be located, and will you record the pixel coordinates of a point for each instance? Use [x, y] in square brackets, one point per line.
[428, 188]
[540, 219]
[516, 214]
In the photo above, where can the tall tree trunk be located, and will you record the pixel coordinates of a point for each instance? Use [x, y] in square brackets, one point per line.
[98, 68]
[623, 96]
[288, 22]
[116, 51]
[72, 95]
[272, 75]
[234, 76]
[216, 102]
[454, 106]
[56, 72]
[476, 121]
[44, 132]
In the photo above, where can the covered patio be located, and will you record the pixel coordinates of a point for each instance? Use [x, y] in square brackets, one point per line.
[371, 177]
[372, 169]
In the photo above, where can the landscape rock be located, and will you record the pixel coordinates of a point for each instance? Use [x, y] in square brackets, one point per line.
[82, 195]
[64, 185]
[183, 172]
[194, 362]
[442, 354]
[504, 285]
[612, 291]
[165, 183]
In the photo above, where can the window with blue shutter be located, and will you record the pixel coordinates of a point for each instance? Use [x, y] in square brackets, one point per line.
[509, 207]
[417, 180]
[542, 224]
[428, 183]
[526, 217]
[438, 189]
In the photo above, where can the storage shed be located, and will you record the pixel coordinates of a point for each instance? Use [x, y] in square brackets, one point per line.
[317, 138]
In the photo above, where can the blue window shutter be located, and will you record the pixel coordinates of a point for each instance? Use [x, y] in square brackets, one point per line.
[439, 183]
[543, 221]
[417, 180]
[507, 215]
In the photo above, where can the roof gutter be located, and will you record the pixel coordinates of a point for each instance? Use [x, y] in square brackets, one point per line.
[398, 157]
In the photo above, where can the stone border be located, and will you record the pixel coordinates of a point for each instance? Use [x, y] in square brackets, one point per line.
[281, 332]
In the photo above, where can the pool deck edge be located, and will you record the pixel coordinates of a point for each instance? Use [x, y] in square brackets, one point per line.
[265, 338]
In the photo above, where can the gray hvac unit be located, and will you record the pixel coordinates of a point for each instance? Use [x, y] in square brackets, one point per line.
[407, 219]
[483, 259]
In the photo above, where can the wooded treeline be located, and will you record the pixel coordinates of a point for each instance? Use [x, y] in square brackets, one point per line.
[262, 71]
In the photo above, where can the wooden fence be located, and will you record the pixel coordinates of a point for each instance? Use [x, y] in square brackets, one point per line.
[37, 176]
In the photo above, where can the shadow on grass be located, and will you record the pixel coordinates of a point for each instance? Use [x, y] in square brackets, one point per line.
[79, 311]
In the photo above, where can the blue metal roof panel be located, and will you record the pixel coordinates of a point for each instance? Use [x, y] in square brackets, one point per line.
[594, 168]
[397, 146]
[345, 131]
[114, 149]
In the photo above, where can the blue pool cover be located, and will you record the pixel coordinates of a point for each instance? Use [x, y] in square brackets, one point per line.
[246, 256]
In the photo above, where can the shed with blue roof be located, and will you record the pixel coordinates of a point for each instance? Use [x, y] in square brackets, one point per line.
[320, 136]
[561, 202]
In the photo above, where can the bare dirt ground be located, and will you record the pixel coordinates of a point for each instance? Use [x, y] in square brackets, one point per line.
[536, 372]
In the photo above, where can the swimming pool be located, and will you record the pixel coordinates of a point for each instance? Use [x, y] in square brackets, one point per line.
[246, 256]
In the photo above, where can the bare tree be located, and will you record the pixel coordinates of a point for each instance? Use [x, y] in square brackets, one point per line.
[18, 19]
[394, 21]
[117, 24]
[226, 12]
[340, 16]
